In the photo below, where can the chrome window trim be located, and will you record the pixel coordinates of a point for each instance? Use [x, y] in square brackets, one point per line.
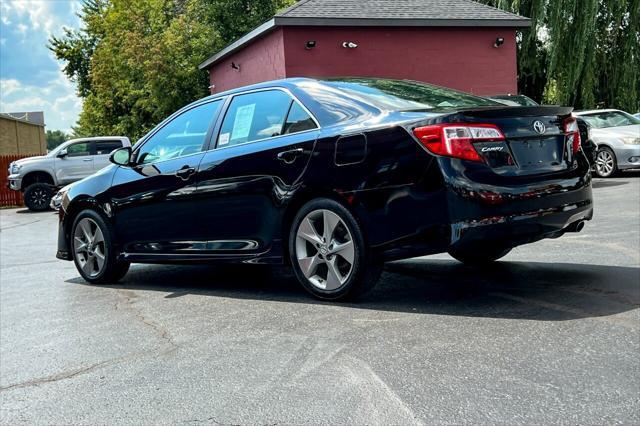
[294, 98]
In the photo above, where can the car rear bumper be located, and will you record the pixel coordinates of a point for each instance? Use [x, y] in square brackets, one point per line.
[628, 156]
[518, 214]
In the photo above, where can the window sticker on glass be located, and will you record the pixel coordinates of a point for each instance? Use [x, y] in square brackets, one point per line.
[224, 139]
[242, 123]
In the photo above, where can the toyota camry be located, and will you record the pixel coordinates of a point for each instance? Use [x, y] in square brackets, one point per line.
[333, 177]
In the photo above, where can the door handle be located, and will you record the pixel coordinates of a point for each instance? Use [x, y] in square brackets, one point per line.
[88, 159]
[291, 155]
[185, 173]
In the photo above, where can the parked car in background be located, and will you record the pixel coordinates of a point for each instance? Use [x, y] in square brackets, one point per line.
[514, 100]
[39, 177]
[334, 177]
[617, 136]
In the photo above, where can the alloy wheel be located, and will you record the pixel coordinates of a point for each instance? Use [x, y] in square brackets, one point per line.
[39, 198]
[325, 249]
[604, 163]
[89, 247]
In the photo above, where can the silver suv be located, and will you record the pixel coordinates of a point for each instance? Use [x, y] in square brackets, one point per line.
[39, 177]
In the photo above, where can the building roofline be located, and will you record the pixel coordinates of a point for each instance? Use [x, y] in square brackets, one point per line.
[11, 117]
[284, 21]
[261, 31]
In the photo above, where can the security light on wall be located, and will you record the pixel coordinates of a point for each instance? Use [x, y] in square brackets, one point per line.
[349, 45]
[235, 66]
[310, 45]
[499, 42]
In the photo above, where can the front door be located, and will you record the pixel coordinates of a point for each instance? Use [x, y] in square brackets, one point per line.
[154, 199]
[263, 145]
[76, 165]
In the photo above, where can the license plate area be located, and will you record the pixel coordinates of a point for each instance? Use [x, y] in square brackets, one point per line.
[539, 153]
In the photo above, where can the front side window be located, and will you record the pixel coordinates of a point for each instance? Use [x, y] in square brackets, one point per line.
[78, 149]
[254, 116]
[106, 147]
[184, 135]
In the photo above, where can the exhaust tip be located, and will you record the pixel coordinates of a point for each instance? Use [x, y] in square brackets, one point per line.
[576, 226]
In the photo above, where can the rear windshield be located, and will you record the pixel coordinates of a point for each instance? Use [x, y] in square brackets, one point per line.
[400, 95]
[607, 119]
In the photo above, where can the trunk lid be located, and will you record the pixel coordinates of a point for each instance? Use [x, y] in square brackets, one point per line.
[535, 140]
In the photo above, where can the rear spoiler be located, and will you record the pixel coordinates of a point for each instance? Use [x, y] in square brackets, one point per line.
[515, 111]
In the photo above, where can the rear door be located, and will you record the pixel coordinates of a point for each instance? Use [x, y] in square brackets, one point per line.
[102, 151]
[263, 145]
[76, 165]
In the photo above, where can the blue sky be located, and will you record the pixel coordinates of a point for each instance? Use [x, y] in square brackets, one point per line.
[30, 77]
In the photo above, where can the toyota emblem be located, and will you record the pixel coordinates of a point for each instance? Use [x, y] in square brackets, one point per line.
[539, 127]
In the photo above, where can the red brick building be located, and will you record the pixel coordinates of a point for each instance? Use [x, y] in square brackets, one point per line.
[455, 43]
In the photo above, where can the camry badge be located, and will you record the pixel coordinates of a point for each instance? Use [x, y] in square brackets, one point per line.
[539, 127]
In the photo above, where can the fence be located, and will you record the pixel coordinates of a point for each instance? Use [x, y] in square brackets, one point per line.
[9, 197]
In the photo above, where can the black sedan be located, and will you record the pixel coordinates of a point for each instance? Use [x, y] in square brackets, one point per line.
[334, 177]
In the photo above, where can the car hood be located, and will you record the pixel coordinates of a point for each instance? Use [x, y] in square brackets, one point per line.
[30, 159]
[618, 132]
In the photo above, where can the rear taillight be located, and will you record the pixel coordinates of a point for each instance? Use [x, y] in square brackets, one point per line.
[572, 132]
[456, 140]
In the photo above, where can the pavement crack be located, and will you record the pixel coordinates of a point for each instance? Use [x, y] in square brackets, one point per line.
[69, 374]
[20, 224]
[127, 301]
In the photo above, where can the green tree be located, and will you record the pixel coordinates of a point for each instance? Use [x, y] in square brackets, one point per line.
[584, 53]
[136, 61]
[55, 138]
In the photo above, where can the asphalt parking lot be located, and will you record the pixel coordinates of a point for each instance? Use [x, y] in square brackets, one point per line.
[551, 334]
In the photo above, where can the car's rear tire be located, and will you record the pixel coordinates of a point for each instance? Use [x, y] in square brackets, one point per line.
[93, 249]
[37, 197]
[328, 252]
[606, 164]
[479, 256]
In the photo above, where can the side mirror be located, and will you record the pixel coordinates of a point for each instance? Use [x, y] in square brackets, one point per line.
[63, 153]
[121, 156]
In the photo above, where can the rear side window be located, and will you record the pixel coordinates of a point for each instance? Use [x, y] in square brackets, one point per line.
[106, 147]
[254, 116]
[298, 120]
[78, 149]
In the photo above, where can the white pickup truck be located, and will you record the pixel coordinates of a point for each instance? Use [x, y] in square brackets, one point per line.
[39, 177]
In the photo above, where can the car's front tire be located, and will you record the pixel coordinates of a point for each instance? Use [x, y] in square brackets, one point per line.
[328, 252]
[606, 163]
[37, 197]
[93, 250]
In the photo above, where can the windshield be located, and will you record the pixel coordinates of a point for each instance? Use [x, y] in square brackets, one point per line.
[608, 119]
[400, 95]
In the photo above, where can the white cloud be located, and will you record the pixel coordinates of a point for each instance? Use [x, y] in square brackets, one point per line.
[33, 22]
[8, 86]
[57, 99]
